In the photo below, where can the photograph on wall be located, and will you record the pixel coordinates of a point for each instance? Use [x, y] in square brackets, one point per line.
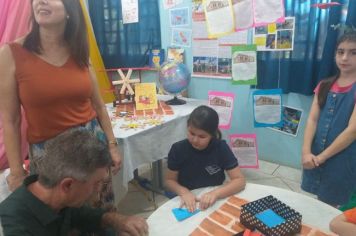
[179, 16]
[223, 104]
[244, 65]
[291, 118]
[244, 147]
[267, 108]
[181, 37]
[275, 36]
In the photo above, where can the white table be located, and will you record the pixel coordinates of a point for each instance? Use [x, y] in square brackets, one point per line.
[142, 146]
[314, 212]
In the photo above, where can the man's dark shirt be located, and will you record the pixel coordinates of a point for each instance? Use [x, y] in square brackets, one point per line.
[23, 214]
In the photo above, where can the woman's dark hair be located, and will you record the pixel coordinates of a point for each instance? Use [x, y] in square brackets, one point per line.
[207, 119]
[326, 85]
[75, 34]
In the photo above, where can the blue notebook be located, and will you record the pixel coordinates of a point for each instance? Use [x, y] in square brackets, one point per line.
[270, 218]
[183, 213]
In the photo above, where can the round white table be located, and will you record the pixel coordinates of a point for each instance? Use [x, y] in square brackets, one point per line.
[315, 213]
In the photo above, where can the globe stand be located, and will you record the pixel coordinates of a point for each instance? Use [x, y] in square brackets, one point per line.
[176, 101]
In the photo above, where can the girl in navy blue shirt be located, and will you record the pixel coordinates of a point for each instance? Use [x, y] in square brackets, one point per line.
[200, 161]
[329, 149]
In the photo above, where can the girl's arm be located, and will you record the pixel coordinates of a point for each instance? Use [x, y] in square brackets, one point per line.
[341, 226]
[187, 197]
[345, 138]
[309, 132]
[104, 120]
[11, 117]
[236, 184]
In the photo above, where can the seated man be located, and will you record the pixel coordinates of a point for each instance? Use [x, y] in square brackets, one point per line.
[74, 167]
[345, 224]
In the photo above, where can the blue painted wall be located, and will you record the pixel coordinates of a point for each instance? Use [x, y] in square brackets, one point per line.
[272, 146]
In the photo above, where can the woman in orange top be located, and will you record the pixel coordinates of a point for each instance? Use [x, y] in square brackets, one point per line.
[48, 73]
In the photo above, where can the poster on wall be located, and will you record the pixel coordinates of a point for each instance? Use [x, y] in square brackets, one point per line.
[175, 54]
[219, 17]
[275, 36]
[145, 96]
[244, 147]
[243, 11]
[129, 11]
[223, 104]
[179, 16]
[268, 11]
[267, 108]
[291, 118]
[181, 37]
[244, 65]
[171, 3]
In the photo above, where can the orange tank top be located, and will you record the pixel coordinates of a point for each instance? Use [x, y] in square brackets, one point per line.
[54, 98]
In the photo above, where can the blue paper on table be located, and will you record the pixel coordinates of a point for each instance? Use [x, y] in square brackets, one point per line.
[270, 218]
[183, 213]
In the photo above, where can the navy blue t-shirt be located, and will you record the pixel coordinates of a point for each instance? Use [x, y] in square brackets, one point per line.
[201, 168]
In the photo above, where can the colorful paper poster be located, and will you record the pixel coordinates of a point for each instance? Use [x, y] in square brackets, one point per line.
[268, 11]
[156, 58]
[145, 96]
[219, 17]
[275, 36]
[129, 11]
[267, 108]
[175, 54]
[244, 65]
[181, 37]
[179, 16]
[223, 104]
[171, 3]
[243, 11]
[244, 147]
[290, 121]
[235, 38]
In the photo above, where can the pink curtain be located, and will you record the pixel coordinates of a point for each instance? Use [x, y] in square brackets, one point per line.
[14, 23]
[14, 19]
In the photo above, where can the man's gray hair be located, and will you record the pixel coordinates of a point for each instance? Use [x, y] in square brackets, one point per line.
[74, 153]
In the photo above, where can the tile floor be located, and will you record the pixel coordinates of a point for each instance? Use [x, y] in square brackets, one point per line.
[269, 173]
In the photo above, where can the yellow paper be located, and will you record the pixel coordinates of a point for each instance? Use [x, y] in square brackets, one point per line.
[145, 96]
[260, 41]
[272, 28]
[96, 60]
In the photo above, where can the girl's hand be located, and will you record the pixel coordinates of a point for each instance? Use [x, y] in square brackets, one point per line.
[318, 160]
[307, 161]
[116, 159]
[15, 181]
[188, 200]
[207, 200]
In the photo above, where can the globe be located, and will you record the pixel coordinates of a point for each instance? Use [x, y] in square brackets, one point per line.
[174, 78]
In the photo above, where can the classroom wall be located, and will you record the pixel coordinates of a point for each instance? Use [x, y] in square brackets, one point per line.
[272, 146]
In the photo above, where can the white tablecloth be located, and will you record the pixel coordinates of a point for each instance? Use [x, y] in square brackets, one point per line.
[142, 146]
[314, 212]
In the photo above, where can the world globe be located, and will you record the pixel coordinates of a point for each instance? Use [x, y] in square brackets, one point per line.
[174, 78]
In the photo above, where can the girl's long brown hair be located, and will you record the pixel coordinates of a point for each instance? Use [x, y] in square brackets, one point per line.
[75, 34]
[326, 85]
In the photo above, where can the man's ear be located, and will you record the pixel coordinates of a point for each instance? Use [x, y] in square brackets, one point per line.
[66, 185]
